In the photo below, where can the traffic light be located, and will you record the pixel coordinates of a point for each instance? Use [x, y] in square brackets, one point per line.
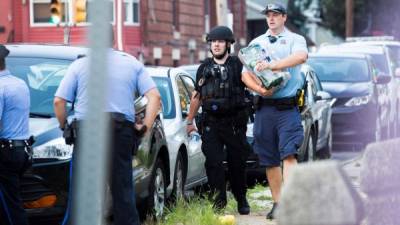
[55, 11]
[80, 11]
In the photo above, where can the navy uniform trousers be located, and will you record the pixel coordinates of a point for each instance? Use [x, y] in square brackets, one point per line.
[230, 132]
[123, 144]
[13, 162]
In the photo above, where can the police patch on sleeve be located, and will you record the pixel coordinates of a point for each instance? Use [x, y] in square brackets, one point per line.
[201, 81]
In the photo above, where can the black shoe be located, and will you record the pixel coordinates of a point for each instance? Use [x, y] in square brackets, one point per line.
[270, 215]
[243, 207]
[219, 206]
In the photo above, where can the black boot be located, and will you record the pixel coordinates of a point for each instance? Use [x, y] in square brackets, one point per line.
[243, 206]
[270, 215]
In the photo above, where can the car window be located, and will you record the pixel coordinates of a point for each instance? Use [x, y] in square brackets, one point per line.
[184, 97]
[381, 63]
[394, 52]
[189, 84]
[164, 87]
[340, 69]
[43, 76]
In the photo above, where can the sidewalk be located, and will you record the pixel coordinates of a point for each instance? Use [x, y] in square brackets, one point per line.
[351, 167]
[257, 218]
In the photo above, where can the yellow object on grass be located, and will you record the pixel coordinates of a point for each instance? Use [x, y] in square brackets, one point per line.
[227, 220]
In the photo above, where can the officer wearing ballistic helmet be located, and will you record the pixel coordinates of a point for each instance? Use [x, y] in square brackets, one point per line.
[221, 93]
[15, 149]
[278, 132]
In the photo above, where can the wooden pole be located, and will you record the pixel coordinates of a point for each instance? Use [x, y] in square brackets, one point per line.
[349, 18]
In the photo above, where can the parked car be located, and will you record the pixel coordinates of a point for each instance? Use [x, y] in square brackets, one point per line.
[176, 87]
[392, 48]
[45, 186]
[361, 112]
[384, 64]
[191, 69]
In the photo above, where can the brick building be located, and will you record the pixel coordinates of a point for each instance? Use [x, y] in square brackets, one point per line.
[162, 32]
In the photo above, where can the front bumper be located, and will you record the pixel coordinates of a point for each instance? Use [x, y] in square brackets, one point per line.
[354, 124]
[46, 179]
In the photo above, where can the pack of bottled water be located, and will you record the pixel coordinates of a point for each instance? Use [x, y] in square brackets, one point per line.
[254, 53]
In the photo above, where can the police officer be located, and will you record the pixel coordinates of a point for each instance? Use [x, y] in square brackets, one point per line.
[15, 151]
[278, 132]
[126, 76]
[221, 93]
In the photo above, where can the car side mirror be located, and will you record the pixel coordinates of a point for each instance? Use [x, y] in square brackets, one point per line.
[397, 72]
[383, 78]
[322, 95]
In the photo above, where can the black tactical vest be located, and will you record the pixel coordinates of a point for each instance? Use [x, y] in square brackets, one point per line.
[220, 86]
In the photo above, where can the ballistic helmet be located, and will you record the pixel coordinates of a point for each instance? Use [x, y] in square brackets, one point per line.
[221, 33]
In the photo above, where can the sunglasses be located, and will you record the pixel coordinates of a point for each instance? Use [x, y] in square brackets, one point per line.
[272, 39]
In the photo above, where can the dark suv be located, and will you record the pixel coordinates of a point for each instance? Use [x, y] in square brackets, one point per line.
[361, 111]
[45, 186]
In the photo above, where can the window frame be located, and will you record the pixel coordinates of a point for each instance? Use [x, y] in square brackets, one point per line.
[70, 16]
[131, 21]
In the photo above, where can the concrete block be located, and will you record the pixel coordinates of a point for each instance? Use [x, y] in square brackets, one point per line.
[380, 181]
[380, 167]
[319, 193]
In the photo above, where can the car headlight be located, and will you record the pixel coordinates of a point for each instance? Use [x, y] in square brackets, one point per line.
[357, 101]
[54, 149]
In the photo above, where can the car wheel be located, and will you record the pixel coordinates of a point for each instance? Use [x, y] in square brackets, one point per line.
[396, 125]
[326, 151]
[179, 179]
[378, 130]
[310, 153]
[157, 197]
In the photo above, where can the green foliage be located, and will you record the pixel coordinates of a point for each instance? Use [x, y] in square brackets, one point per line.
[333, 15]
[199, 211]
[196, 211]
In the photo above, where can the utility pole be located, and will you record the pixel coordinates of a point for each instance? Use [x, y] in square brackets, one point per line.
[349, 18]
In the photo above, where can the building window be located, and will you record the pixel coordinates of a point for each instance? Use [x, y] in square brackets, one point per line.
[44, 12]
[41, 13]
[132, 12]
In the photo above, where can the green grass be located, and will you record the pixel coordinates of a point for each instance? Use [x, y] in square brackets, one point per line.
[195, 211]
[199, 211]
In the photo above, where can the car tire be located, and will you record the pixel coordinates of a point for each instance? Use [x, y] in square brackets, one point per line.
[157, 198]
[178, 191]
[396, 125]
[310, 154]
[326, 151]
[377, 135]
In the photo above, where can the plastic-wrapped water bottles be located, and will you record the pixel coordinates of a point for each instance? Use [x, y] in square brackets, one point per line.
[194, 140]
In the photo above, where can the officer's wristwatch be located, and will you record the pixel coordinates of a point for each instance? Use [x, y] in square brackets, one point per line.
[189, 122]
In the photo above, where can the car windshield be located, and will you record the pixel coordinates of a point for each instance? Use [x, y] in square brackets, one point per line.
[43, 76]
[380, 62]
[340, 69]
[165, 89]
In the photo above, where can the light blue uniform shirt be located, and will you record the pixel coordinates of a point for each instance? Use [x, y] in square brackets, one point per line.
[126, 76]
[14, 107]
[286, 44]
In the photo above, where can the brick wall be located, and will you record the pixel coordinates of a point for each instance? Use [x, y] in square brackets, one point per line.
[159, 30]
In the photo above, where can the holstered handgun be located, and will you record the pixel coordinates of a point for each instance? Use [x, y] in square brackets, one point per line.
[257, 102]
[70, 132]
